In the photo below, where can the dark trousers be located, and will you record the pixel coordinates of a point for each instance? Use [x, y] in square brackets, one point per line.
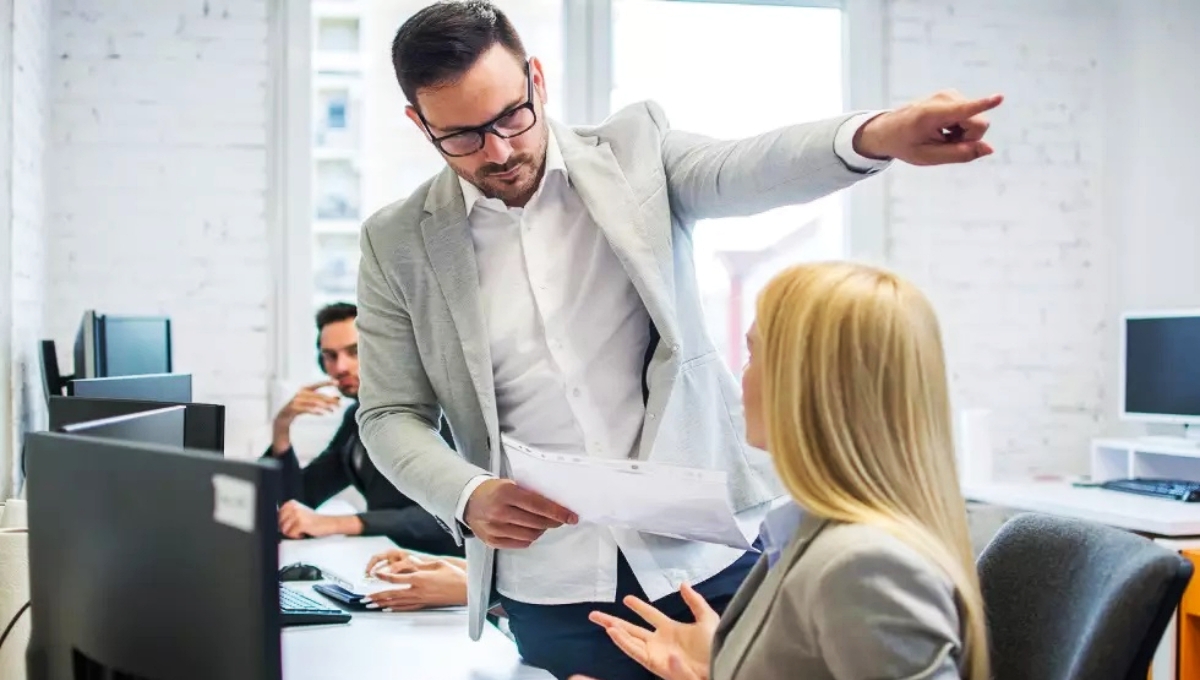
[561, 639]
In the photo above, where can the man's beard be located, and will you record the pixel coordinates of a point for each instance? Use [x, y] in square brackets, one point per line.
[512, 193]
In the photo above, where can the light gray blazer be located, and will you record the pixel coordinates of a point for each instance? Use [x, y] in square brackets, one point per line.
[843, 601]
[423, 344]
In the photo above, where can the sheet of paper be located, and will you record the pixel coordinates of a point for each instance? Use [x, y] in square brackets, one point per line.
[667, 500]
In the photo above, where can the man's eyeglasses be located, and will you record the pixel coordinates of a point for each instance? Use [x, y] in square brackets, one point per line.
[507, 125]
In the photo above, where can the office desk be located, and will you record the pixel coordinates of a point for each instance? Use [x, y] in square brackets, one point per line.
[427, 645]
[1142, 514]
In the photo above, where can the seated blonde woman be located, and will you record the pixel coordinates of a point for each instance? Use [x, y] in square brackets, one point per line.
[425, 581]
[868, 574]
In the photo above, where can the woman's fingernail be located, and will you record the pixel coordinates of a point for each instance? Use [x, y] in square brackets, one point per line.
[365, 600]
[387, 609]
[372, 605]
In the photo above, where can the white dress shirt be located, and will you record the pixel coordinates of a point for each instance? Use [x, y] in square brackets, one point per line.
[568, 335]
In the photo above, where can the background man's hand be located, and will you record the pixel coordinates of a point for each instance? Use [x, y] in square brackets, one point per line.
[307, 400]
[944, 128]
[297, 520]
[503, 515]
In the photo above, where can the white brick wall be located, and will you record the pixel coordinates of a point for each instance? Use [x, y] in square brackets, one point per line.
[1011, 249]
[7, 410]
[158, 185]
[30, 63]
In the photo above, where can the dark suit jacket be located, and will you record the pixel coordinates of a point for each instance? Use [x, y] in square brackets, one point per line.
[389, 512]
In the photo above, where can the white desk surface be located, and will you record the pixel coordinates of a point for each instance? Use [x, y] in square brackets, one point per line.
[1144, 514]
[428, 645]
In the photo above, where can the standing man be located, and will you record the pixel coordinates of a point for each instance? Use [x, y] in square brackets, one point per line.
[542, 286]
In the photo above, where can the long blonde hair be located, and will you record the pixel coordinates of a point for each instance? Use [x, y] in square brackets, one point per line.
[857, 412]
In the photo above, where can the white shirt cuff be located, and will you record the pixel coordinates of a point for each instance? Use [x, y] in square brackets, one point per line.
[469, 489]
[843, 145]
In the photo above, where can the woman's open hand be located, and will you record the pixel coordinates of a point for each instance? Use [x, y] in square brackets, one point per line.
[669, 649]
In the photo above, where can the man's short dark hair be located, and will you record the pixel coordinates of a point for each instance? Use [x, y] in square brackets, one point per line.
[440, 43]
[333, 313]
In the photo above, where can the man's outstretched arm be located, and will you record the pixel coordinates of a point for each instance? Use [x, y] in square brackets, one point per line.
[710, 178]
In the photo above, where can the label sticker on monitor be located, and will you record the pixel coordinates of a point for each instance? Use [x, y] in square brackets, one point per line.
[233, 502]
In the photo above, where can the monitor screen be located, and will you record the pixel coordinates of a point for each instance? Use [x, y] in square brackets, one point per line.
[1161, 368]
[134, 345]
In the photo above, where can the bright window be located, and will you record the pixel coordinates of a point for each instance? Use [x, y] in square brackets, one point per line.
[729, 71]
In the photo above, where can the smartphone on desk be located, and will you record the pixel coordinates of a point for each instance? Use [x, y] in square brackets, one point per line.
[342, 596]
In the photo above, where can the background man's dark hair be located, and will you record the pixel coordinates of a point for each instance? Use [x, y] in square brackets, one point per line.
[333, 313]
[440, 43]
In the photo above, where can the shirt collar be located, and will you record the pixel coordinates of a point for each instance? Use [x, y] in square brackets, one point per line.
[554, 163]
[778, 529]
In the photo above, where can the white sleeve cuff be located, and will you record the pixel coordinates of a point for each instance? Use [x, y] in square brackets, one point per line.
[843, 144]
[469, 489]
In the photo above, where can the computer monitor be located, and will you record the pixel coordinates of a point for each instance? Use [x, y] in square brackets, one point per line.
[203, 424]
[1160, 368]
[109, 345]
[53, 382]
[150, 562]
[160, 426]
[175, 387]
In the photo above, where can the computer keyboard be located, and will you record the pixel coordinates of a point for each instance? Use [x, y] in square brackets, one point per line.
[300, 610]
[1174, 489]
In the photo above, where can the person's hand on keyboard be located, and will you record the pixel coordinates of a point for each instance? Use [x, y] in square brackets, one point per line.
[426, 582]
[399, 561]
[392, 560]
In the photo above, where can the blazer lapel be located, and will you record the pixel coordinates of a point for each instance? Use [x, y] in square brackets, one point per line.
[746, 624]
[737, 605]
[601, 184]
[452, 253]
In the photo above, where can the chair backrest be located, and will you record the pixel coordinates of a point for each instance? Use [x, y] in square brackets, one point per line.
[1074, 600]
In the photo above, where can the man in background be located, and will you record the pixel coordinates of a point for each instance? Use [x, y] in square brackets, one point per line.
[344, 461]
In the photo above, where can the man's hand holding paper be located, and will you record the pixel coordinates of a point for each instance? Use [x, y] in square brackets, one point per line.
[505, 515]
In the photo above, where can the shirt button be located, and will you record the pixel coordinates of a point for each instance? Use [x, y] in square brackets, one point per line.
[650, 416]
[576, 392]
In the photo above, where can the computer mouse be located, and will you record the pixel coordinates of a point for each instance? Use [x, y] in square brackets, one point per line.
[300, 572]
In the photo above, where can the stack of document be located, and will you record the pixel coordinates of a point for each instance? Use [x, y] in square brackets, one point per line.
[666, 500]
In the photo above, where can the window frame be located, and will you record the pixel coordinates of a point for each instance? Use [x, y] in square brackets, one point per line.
[587, 76]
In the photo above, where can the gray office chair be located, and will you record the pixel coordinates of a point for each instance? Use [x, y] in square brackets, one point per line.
[1074, 600]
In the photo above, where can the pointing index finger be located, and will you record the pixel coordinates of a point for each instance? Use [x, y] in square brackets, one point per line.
[961, 111]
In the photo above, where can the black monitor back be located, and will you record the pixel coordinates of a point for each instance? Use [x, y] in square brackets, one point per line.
[52, 379]
[150, 562]
[173, 387]
[203, 424]
[163, 426]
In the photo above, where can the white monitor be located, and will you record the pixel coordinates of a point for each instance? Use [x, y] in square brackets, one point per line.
[1160, 367]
